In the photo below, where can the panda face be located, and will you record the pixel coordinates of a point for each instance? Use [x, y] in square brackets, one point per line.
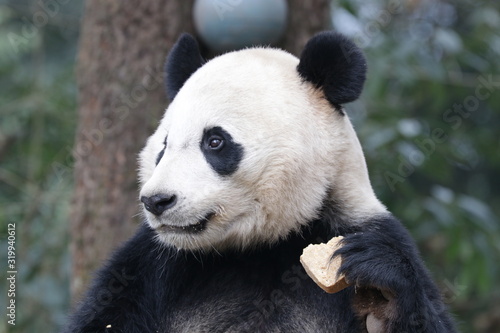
[238, 157]
[246, 154]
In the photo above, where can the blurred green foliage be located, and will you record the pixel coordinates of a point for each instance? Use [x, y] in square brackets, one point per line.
[429, 134]
[38, 121]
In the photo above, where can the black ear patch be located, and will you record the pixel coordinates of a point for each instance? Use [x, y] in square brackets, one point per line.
[184, 59]
[334, 63]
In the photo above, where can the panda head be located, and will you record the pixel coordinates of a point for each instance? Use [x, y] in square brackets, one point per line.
[254, 144]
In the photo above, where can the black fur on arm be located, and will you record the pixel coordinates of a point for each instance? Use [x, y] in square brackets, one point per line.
[390, 279]
[114, 301]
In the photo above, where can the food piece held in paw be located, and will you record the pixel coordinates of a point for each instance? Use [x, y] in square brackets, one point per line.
[316, 259]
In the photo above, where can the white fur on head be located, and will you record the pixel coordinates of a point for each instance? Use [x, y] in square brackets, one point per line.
[297, 148]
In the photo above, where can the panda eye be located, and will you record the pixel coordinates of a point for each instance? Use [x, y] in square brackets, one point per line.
[215, 142]
[220, 150]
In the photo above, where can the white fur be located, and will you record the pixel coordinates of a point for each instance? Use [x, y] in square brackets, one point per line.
[296, 148]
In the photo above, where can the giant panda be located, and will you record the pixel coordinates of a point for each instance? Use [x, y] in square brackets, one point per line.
[254, 159]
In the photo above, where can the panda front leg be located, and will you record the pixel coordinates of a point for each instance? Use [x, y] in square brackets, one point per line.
[393, 290]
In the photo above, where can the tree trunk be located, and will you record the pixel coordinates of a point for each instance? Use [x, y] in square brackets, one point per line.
[305, 18]
[121, 98]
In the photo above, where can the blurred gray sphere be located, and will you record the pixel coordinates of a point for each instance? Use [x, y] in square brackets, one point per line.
[226, 25]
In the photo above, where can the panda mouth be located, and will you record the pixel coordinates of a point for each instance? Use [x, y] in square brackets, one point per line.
[190, 228]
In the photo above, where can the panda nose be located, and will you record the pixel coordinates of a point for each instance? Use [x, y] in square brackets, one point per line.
[159, 203]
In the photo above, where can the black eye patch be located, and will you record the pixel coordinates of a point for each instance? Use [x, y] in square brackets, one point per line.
[220, 150]
[160, 154]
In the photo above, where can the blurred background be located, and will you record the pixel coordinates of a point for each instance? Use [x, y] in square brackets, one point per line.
[428, 121]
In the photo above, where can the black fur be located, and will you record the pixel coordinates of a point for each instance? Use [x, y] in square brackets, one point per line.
[226, 158]
[335, 64]
[160, 154]
[183, 60]
[151, 288]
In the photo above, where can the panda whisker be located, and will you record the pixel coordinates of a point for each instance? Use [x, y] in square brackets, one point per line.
[163, 265]
[215, 250]
[139, 214]
[201, 252]
[220, 211]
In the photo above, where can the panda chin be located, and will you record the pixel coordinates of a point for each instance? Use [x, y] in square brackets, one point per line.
[187, 229]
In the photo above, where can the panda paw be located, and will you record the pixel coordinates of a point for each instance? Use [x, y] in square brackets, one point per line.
[392, 286]
[375, 259]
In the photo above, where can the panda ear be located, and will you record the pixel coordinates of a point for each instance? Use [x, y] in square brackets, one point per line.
[334, 63]
[183, 60]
